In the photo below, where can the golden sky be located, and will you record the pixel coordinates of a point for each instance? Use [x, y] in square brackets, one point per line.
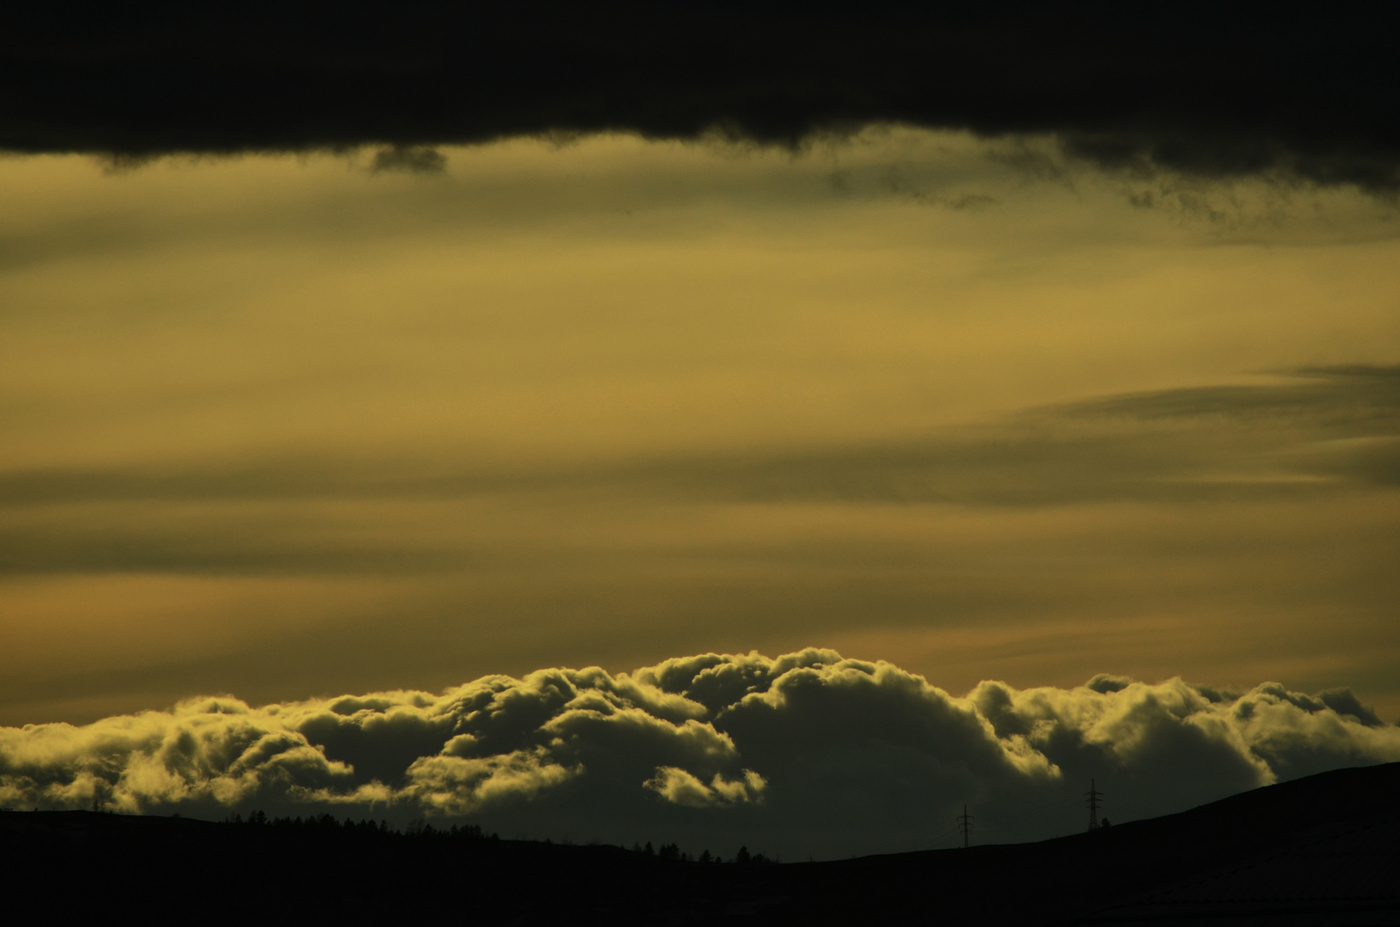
[291, 426]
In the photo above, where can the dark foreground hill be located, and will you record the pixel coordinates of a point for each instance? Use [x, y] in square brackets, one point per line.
[1318, 851]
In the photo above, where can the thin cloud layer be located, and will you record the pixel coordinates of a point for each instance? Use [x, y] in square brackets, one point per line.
[1192, 87]
[1324, 430]
[805, 754]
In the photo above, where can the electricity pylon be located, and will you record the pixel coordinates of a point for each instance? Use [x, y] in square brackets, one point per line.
[965, 822]
[1094, 796]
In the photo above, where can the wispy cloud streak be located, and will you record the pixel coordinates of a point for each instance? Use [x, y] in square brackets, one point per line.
[1317, 431]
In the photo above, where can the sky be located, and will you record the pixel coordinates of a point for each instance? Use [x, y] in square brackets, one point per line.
[394, 416]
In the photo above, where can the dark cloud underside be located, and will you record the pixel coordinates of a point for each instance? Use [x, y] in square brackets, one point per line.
[1190, 87]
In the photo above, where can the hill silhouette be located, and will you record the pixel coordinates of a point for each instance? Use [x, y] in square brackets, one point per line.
[1320, 850]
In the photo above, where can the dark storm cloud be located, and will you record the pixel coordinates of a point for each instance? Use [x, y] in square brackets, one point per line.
[805, 753]
[1203, 89]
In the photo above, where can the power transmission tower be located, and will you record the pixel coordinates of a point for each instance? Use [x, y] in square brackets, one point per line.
[1094, 796]
[965, 822]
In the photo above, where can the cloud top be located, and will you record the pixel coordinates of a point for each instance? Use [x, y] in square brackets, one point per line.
[808, 753]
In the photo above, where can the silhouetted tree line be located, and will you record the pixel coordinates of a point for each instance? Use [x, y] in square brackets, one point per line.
[329, 824]
[672, 852]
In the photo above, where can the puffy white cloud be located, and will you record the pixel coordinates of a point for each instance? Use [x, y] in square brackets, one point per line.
[683, 788]
[804, 754]
[203, 753]
[457, 785]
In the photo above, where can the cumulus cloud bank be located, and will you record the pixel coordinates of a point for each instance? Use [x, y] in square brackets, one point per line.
[806, 754]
